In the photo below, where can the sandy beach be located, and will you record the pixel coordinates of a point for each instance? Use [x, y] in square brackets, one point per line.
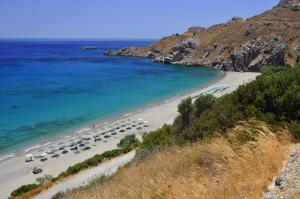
[15, 172]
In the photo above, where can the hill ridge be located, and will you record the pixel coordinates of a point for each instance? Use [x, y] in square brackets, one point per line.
[270, 38]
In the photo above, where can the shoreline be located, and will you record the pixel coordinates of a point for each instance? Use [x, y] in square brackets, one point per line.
[78, 131]
[18, 172]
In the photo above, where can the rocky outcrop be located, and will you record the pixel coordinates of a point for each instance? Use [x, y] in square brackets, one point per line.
[254, 54]
[296, 7]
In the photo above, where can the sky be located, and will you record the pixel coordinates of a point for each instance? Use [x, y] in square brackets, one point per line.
[118, 18]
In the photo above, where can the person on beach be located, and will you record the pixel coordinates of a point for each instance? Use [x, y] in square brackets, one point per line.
[93, 126]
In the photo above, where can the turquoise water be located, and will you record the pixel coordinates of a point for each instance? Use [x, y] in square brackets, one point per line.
[53, 87]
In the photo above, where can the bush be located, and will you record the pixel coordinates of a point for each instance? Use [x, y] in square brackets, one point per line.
[43, 180]
[161, 137]
[23, 189]
[58, 195]
[127, 141]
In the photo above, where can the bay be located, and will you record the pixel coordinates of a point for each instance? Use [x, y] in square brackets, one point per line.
[51, 87]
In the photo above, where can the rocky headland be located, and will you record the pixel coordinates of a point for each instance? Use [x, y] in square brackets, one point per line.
[271, 38]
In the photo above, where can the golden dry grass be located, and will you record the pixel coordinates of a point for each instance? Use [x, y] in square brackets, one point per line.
[219, 168]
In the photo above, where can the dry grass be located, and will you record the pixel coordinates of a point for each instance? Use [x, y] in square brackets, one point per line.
[219, 168]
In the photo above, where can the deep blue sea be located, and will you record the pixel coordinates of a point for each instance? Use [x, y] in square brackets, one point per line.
[52, 87]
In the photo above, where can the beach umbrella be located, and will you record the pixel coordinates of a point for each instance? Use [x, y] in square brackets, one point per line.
[87, 134]
[40, 150]
[60, 143]
[79, 137]
[54, 150]
[146, 125]
[28, 155]
[103, 128]
[123, 121]
[51, 147]
[79, 141]
[43, 154]
[140, 123]
[116, 123]
[133, 121]
[110, 126]
[71, 140]
[74, 143]
[87, 143]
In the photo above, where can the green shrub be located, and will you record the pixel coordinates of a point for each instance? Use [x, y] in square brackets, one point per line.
[23, 189]
[161, 137]
[59, 195]
[43, 180]
[127, 141]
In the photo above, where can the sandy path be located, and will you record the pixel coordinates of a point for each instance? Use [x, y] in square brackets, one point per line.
[16, 172]
[84, 177]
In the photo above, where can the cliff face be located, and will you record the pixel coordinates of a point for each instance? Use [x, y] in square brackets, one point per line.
[271, 38]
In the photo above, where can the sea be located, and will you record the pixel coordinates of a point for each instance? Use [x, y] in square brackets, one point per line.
[52, 88]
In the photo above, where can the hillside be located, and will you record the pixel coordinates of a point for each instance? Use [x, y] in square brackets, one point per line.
[271, 38]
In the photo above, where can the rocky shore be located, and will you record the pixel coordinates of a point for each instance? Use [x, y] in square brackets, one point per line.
[271, 38]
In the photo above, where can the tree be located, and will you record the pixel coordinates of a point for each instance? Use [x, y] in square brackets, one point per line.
[203, 103]
[127, 141]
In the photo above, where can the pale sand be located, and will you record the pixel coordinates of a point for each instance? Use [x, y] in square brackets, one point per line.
[16, 172]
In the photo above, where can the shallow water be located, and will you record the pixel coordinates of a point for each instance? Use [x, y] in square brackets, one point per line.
[53, 87]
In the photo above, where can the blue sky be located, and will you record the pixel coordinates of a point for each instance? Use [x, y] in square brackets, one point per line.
[118, 18]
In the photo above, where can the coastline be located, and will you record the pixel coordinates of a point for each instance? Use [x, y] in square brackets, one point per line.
[83, 128]
[18, 172]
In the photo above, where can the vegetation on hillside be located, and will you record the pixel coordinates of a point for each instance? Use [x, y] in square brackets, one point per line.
[209, 138]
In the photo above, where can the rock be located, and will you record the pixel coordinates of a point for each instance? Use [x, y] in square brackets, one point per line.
[89, 48]
[286, 24]
[235, 18]
[283, 187]
[295, 7]
[254, 54]
[37, 170]
[167, 60]
[284, 2]
[267, 23]
[248, 32]
[278, 181]
[177, 57]
[155, 50]
[227, 65]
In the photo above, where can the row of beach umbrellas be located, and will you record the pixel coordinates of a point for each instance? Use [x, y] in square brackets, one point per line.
[72, 141]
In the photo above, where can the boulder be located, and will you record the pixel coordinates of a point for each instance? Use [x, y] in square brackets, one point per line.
[167, 60]
[295, 7]
[37, 170]
[155, 50]
[248, 32]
